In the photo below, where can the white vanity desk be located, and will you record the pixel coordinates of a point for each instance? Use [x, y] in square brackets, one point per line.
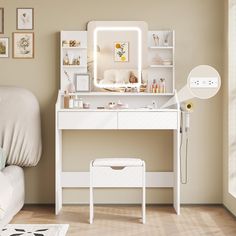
[127, 119]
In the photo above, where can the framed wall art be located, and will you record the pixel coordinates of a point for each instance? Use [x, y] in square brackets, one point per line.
[82, 82]
[1, 20]
[4, 47]
[23, 45]
[121, 51]
[25, 18]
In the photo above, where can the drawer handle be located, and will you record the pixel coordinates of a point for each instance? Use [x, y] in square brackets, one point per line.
[117, 167]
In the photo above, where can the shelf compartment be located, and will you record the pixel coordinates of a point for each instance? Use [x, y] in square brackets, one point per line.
[73, 66]
[161, 66]
[74, 48]
[160, 47]
[121, 94]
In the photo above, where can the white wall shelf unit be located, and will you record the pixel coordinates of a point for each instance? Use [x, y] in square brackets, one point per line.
[72, 53]
[161, 49]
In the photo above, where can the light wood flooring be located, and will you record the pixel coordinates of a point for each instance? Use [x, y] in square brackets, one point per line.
[125, 220]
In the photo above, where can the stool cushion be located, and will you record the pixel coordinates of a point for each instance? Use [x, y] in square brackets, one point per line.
[118, 162]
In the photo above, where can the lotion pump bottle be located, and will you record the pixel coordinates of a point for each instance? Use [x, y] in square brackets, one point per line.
[81, 104]
[71, 102]
[154, 86]
[162, 85]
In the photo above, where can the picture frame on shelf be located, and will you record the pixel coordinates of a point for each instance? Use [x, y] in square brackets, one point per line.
[82, 82]
[4, 47]
[23, 45]
[25, 18]
[1, 20]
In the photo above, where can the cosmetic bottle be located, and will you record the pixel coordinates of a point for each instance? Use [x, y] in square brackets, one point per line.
[66, 60]
[162, 85]
[154, 86]
[66, 100]
[78, 61]
[71, 102]
[76, 102]
[157, 88]
[80, 103]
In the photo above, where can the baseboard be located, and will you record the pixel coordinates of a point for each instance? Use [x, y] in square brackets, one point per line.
[231, 213]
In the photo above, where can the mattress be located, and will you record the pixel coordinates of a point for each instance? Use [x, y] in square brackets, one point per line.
[15, 175]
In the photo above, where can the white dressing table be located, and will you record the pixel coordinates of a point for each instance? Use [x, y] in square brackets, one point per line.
[127, 119]
[155, 46]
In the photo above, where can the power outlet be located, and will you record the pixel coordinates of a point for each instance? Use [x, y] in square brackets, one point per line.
[203, 82]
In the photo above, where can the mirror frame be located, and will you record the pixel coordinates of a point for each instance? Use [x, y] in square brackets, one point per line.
[139, 49]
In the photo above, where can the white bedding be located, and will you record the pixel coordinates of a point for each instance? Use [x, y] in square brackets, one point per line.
[20, 128]
[6, 190]
[15, 177]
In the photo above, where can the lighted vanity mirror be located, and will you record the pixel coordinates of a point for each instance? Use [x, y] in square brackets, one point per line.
[116, 52]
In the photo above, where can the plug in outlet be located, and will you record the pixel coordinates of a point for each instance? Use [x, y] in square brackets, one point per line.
[203, 82]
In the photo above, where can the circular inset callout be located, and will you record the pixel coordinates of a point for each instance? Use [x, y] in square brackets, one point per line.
[204, 81]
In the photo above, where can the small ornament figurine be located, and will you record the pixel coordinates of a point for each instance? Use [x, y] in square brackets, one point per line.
[156, 39]
[72, 43]
[77, 43]
[78, 61]
[166, 39]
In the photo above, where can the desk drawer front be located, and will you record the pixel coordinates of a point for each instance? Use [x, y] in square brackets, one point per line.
[147, 120]
[126, 177]
[87, 120]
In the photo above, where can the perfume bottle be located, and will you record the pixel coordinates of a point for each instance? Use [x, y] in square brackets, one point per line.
[154, 86]
[162, 85]
[66, 99]
[157, 88]
[66, 60]
[78, 61]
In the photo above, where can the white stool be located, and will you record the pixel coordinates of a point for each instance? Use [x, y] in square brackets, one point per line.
[117, 173]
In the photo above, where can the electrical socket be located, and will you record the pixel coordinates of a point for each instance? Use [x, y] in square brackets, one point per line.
[203, 82]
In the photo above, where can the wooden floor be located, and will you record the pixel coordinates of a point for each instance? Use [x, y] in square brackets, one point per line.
[125, 221]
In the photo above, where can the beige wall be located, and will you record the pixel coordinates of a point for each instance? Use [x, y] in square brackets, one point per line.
[228, 200]
[199, 40]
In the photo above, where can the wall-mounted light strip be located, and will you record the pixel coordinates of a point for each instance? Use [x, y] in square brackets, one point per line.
[95, 33]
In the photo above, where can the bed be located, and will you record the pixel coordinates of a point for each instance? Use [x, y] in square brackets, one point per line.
[20, 138]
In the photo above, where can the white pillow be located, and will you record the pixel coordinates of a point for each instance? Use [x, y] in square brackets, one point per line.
[122, 76]
[109, 77]
[5, 194]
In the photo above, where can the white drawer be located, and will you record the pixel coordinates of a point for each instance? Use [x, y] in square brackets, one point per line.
[87, 120]
[148, 120]
[126, 177]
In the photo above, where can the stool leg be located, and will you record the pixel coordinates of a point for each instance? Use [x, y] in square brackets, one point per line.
[91, 210]
[144, 206]
[144, 194]
[91, 205]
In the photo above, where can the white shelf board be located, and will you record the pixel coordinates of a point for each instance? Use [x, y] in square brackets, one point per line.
[160, 66]
[64, 66]
[74, 48]
[161, 47]
[121, 94]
